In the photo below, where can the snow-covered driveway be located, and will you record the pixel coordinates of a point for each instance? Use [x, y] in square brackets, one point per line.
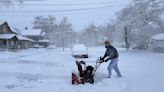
[49, 70]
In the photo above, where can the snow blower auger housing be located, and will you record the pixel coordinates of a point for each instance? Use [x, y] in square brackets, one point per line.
[86, 73]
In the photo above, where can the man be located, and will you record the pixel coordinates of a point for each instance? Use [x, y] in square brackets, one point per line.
[111, 54]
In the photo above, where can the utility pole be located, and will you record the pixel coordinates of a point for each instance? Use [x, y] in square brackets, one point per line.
[63, 40]
[126, 39]
[63, 37]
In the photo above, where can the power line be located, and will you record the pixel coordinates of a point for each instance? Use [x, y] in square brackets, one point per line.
[56, 14]
[19, 0]
[75, 4]
[55, 11]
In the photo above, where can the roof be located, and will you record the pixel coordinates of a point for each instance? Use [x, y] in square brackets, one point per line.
[11, 28]
[31, 32]
[1, 22]
[43, 33]
[6, 36]
[23, 38]
[9, 36]
[43, 41]
[158, 36]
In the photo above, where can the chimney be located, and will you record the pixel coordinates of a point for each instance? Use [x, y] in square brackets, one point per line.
[26, 28]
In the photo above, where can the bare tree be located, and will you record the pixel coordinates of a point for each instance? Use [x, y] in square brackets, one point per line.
[63, 34]
[47, 24]
[93, 35]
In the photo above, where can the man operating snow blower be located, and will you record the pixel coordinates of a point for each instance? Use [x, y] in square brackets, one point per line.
[86, 74]
[111, 54]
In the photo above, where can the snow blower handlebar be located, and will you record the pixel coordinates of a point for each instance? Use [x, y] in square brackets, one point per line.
[98, 62]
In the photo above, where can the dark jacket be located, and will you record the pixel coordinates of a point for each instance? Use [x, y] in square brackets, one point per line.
[111, 53]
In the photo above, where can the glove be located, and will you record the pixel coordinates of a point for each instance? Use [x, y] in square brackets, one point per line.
[101, 58]
[106, 60]
[101, 61]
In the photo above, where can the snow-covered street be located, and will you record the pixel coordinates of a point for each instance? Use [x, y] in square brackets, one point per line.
[49, 70]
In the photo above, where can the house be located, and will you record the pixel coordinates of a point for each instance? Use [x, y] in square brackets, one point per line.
[44, 43]
[11, 39]
[6, 29]
[157, 43]
[37, 35]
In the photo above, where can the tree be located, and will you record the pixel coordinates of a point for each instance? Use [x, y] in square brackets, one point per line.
[63, 36]
[89, 36]
[5, 3]
[66, 30]
[142, 20]
[93, 35]
[108, 32]
[47, 24]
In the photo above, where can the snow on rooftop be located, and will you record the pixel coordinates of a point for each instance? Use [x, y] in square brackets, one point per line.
[159, 36]
[162, 16]
[31, 32]
[9, 36]
[43, 41]
[6, 36]
[43, 33]
[13, 29]
[23, 38]
[1, 22]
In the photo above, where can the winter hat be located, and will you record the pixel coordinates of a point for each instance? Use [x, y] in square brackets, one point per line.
[107, 42]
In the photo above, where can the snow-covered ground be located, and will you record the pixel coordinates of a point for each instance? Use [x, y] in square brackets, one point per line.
[49, 70]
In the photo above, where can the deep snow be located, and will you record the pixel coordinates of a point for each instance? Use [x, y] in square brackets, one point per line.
[49, 70]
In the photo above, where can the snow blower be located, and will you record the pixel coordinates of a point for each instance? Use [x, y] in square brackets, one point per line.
[86, 73]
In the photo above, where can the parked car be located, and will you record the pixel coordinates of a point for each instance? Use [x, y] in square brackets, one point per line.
[51, 47]
[37, 46]
[79, 51]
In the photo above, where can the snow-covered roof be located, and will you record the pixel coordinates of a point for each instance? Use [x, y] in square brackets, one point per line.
[31, 32]
[13, 29]
[43, 33]
[23, 38]
[1, 22]
[159, 36]
[9, 36]
[43, 41]
[162, 16]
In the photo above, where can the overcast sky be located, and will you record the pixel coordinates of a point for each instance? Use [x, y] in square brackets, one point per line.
[88, 11]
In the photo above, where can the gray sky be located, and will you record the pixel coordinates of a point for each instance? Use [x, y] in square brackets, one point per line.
[103, 12]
